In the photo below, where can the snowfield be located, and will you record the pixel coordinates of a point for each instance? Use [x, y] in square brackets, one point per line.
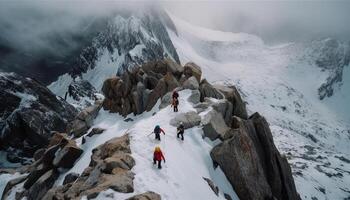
[281, 83]
[187, 162]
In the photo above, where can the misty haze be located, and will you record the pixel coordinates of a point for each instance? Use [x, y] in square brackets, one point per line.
[174, 100]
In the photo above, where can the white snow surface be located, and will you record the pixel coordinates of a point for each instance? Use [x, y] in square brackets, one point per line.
[281, 83]
[187, 162]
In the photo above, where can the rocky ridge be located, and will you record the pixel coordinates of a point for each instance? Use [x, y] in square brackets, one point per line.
[247, 152]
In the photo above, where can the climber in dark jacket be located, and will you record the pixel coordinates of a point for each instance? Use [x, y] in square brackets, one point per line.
[175, 94]
[180, 131]
[175, 103]
[158, 156]
[157, 130]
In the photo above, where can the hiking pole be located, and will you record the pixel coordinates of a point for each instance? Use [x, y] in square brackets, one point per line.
[149, 134]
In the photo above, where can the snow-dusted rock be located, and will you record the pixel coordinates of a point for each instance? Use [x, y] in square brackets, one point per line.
[109, 168]
[29, 112]
[225, 108]
[214, 125]
[139, 90]
[66, 157]
[195, 97]
[166, 84]
[252, 163]
[80, 88]
[95, 131]
[232, 95]
[191, 83]
[83, 121]
[207, 90]
[212, 186]
[146, 196]
[192, 69]
[189, 119]
[166, 100]
[70, 178]
[42, 185]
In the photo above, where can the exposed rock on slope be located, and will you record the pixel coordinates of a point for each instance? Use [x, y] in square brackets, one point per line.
[79, 89]
[109, 168]
[253, 164]
[83, 121]
[42, 174]
[29, 113]
[140, 89]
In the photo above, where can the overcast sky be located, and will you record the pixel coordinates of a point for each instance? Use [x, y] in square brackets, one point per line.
[274, 21]
[29, 22]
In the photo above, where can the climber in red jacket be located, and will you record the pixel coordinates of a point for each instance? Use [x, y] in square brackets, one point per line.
[158, 156]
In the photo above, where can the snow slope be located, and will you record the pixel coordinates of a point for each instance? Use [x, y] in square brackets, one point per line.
[281, 82]
[127, 41]
[187, 162]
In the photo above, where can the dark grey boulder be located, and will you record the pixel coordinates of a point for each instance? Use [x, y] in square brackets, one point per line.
[146, 196]
[208, 90]
[252, 163]
[232, 95]
[214, 125]
[194, 98]
[29, 113]
[70, 178]
[42, 185]
[191, 83]
[189, 119]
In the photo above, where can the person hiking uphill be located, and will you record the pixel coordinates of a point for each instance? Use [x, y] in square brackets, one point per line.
[175, 103]
[175, 94]
[157, 130]
[158, 157]
[180, 131]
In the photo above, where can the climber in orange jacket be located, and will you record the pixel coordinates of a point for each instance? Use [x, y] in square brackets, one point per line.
[158, 156]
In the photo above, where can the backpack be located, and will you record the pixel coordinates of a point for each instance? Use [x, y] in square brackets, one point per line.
[175, 94]
[156, 129]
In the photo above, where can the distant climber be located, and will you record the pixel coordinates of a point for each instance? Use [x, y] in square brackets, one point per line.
[180, 131]
[157, 130]
[175, 103]
[175, 94]
[158, 156]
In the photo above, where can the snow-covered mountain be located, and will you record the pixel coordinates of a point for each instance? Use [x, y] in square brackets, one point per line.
[127, 41]
[303, 90]
[285, 83]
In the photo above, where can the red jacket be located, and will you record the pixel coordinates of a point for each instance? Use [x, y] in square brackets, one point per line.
[158, 155]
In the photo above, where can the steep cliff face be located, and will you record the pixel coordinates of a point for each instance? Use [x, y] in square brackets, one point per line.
[126, 42]
[29, 113]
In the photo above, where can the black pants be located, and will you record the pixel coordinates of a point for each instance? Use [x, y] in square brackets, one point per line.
[175, 109]
[157, 136]
[159, 163]
[180, 134]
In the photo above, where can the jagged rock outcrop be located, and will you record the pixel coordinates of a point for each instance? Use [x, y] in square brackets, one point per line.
[191, 69]
[70, 178]
[214, 125]
[29, 113]
[189, 119]
[207, 90]
[42, 174]
[212, 186]
[191, 83]
[83, 121]
[138, 90]
[110, 168]
[252, 163]
[80, 88]
[146, 196]
[232, 95]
